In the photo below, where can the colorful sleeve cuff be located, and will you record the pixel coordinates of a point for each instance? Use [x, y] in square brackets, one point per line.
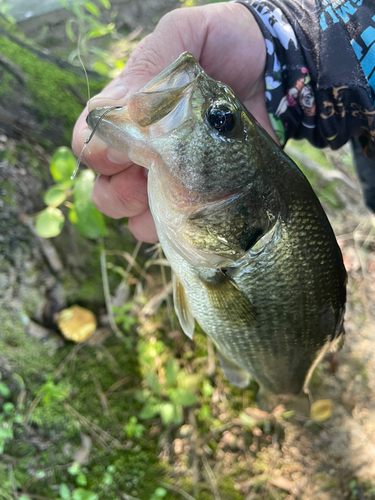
[319, 69]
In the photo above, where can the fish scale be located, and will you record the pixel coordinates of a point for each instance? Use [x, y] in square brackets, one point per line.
[255, 260]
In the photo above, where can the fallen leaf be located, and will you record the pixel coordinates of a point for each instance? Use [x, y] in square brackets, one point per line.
[76, 323]
[321, 410]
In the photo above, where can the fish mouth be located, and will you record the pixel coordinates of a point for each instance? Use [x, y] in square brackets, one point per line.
[160, 107]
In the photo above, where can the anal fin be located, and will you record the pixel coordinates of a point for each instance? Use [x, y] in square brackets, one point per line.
[234, 373]
[182, 308]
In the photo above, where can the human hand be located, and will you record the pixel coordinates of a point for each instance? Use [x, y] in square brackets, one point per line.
[230, 47]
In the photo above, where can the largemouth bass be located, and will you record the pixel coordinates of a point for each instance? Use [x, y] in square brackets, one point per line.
[254, 258]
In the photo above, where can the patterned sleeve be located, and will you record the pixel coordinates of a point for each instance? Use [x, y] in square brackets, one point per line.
[320, 69]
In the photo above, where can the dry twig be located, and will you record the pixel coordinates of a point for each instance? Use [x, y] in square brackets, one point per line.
[212, 478]
[177, 490]
[99, 434]
[107, 295]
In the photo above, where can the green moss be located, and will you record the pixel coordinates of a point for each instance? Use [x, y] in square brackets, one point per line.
[8, 193]
[227, 489]
[6, 490]
[48, 86]
[29, 356]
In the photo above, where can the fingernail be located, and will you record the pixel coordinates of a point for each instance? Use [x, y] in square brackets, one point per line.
[117, 92]
[116, 157]
[85, 134]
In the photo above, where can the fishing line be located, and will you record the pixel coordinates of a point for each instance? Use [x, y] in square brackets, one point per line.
[83, 66]
[89, 139]
[79, 41]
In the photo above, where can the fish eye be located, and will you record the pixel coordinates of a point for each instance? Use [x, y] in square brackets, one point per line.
[221, 117]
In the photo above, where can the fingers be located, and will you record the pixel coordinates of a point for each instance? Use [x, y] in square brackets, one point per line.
[143, 227]
[121, 190]
[123, 194]
[153, 54]
[229, 45]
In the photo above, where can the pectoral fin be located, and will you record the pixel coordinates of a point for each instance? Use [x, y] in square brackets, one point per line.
[182, 308]
[229, 301]
[233, 373]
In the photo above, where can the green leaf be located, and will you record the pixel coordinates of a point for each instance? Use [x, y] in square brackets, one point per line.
[167, 413]
[149, 410]
[73, 216]
[69, 30]
[101, 68]
[160, 493]
[81, 479]
[88, 220]
[204, 413]
[8, 408]
[6, 432]
[4, 390]
[207, 389]
[64, 492]
[82, 494]
[153, 381]
[62, 165]
[92, 8]
[100, 30]
[74, 469]
[107, 479]
[183, 397]
[54, 196]
[49, 223]
[171, 371]
[142, 396]
[188, 381]
[106, 3]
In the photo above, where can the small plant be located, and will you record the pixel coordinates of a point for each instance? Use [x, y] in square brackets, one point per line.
[170, 388]
[49, 390]
[82, 211]
[122, 316]
[76, 494]
[353, 487]
[133, 428]
[81, 493]
[86, 16]
[8, 416]
[158, 494]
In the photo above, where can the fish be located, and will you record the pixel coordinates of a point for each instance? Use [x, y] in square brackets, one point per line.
[254, 258]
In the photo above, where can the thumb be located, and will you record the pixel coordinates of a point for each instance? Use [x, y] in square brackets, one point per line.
[178, 31]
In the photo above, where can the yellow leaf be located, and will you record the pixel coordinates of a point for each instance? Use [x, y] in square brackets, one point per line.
[77, 323]
[321, 410]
